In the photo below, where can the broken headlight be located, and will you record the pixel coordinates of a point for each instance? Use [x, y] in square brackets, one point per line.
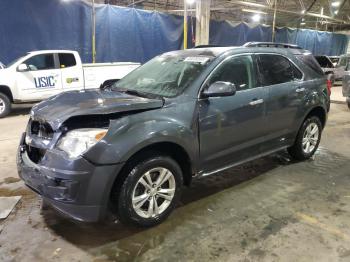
[78, 141]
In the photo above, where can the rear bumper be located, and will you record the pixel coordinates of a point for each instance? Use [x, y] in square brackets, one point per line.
[76, 188]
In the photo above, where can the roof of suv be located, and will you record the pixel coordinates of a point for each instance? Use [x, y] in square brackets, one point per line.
[217, 51]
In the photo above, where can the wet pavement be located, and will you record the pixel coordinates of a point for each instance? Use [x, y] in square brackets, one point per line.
[271, 209]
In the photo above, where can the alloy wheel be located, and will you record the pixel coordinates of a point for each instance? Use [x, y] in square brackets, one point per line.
[2, 106]
[153, 192]
[310, 138]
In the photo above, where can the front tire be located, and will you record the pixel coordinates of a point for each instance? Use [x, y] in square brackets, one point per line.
[150, 191]
[5, 105]
[308, 139]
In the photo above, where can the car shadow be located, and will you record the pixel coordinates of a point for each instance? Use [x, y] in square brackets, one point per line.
[88, 236]
[20, 109]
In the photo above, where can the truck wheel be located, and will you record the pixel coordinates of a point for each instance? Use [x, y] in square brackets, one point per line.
[348, 102]
[150, 192]
[5, 105]
[308, 139]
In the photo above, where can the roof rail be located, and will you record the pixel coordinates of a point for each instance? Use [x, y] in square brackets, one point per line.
[205, 46]
[271, 44]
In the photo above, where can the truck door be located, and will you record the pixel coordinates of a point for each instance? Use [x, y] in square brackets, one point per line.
[72, 72]
[41, 79]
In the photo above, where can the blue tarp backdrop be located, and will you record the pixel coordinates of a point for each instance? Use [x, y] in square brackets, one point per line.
[126, 34]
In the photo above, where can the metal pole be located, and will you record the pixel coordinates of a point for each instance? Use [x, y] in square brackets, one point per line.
[185, 24]
[93, 32]
[274, 22]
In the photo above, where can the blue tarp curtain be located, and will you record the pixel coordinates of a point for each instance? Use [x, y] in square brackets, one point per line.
[226, 34]
[126, 34]
[320, 43]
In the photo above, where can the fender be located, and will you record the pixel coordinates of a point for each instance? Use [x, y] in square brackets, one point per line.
[124, 139]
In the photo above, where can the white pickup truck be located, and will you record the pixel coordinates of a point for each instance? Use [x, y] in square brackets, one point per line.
[41, 74]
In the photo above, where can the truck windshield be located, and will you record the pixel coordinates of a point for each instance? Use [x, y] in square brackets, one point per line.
[165, 76]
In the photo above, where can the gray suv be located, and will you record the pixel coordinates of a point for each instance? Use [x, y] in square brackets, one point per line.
[131, 147]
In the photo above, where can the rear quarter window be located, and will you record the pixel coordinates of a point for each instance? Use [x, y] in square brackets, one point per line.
[311, 63]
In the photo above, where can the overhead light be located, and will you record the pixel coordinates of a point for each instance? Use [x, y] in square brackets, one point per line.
[336, 12]
[190, 2]
[256, 18]
[303, 11]
[253, 11]
[302, 23]
[335, 4]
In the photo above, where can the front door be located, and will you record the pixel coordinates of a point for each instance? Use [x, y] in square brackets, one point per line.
[41, 80]
[232, 128]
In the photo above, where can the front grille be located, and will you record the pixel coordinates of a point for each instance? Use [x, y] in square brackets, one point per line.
[35, 154]
[41, 130]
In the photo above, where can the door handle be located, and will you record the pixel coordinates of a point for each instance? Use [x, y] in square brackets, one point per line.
[256, 102]
[300, 90]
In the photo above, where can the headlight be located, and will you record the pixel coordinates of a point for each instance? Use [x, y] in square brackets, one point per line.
[78, 141]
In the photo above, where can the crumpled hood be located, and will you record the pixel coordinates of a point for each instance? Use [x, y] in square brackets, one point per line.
[59, 108]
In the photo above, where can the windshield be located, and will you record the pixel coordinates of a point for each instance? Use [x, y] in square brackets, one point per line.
[165, 76]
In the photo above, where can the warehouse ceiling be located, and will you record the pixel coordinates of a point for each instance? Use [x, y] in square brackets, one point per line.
[328, 15]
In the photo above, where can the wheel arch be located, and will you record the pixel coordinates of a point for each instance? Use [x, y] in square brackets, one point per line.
[6, 91]
[319, 112]
[171, 149]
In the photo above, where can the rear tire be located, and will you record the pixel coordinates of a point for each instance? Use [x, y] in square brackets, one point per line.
[5, 105]
[348, 102]
[308, 139]
[150, 191]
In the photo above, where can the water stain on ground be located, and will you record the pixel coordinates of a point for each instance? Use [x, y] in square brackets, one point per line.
[275, 225]
[261, 195]
[10, 180]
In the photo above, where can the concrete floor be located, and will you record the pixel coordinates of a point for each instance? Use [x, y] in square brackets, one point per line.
[271, 209]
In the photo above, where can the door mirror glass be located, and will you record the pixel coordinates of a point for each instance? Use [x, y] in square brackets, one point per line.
[219, 89]
[23, 68]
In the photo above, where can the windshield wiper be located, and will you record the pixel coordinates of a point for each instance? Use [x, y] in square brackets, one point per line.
[134, 92]
[141, 94]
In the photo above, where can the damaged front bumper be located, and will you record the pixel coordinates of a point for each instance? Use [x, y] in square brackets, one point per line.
[76, 188]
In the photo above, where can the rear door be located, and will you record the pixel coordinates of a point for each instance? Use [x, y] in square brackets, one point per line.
[42, 80]
[72, 72]
[232, 128]
[286, 92]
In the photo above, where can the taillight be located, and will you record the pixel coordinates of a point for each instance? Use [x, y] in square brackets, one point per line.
[329, 86]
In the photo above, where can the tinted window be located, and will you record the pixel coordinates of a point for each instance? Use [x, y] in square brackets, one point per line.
[236, 70]
[41, 62]
[275, 69]
[67, 60]
[311, 62]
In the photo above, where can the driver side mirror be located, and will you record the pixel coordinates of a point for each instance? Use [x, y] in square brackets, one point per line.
[219, 89]
[23, 68]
